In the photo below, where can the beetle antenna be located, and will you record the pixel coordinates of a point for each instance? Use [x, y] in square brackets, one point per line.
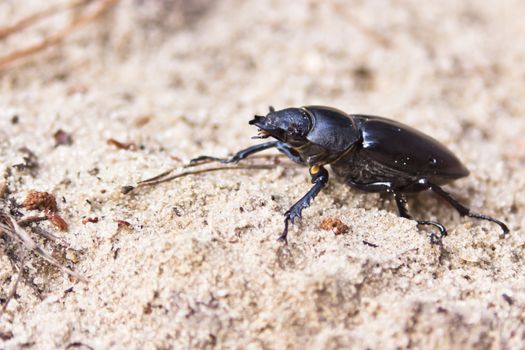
[159, 178]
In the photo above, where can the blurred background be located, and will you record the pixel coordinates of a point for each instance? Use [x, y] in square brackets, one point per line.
[218, 62]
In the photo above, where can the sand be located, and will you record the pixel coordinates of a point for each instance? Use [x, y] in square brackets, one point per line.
[199, 266]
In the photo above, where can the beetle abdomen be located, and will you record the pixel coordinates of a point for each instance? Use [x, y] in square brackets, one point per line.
[357, 167]
[402, 148]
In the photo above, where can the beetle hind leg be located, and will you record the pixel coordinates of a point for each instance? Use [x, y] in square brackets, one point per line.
[464, 211]
[401, 202]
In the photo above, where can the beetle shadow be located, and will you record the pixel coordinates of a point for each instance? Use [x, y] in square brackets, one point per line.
[428, 206]
[421, 205]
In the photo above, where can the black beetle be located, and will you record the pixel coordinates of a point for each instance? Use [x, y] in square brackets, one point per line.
[370, 153]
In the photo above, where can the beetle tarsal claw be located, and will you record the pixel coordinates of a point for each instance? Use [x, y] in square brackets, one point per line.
[436, 240]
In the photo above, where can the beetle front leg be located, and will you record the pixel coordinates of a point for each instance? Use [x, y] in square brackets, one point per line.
[319, 179]
[401, 202]
[237, 156]
[289, 152]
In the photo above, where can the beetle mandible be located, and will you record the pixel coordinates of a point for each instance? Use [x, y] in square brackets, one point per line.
[372, 154]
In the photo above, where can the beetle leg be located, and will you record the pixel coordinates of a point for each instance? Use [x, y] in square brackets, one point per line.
[464, 211]
[289, 152]
[319, 179]
[237, 156]
[401, 202]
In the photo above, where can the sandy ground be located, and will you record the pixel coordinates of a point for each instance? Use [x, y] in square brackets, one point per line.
[200, 266]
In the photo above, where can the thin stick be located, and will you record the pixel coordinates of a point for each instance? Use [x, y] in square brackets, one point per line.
[32, 19]
[48, 235]
[165, 173]
[58, 37]
[31, 219]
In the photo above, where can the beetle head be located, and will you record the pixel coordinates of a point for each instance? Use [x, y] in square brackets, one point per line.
[290, 125]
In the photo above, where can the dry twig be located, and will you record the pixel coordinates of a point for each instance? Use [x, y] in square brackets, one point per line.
[84, 18]
[32, 19]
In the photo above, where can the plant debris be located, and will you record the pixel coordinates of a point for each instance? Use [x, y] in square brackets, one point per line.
[76, 89]
[78, 344]
[46, 202]
[370, 244]
[30, 161]
[121, 145]
[85, 16]
[31, 219]
[123, 223]
[62, 138]
[507, 298]
[12, 230]
[3, 189]
[40, 200]
[334, 225]
[6, 335]
[56, 220]
[92, 220]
